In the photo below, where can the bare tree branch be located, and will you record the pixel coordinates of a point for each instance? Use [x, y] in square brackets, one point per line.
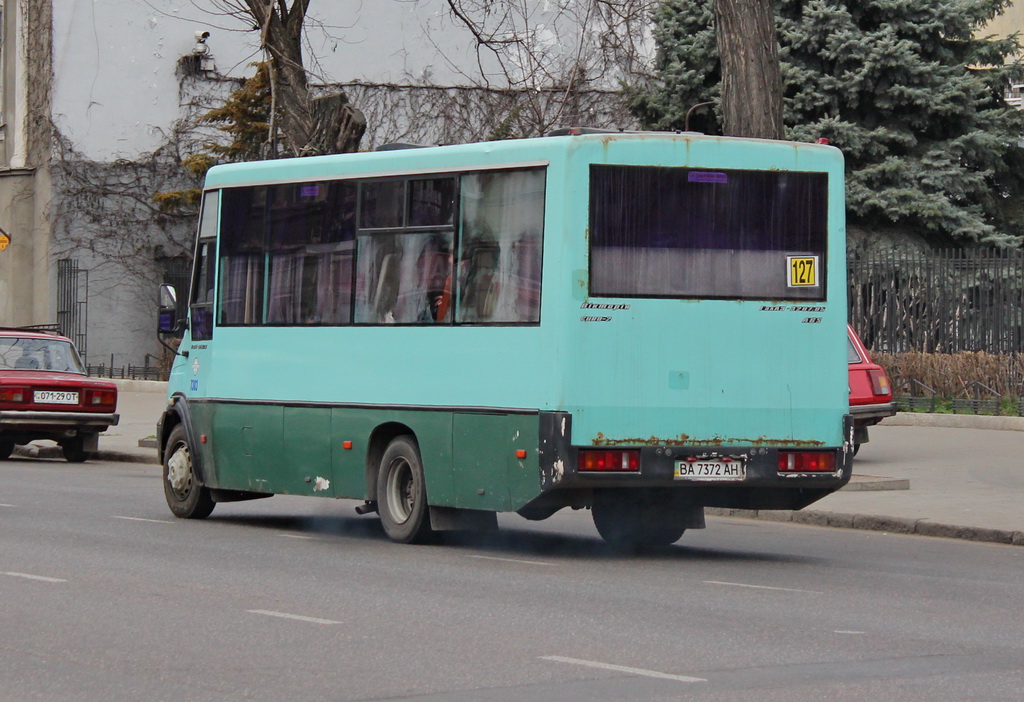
[570, 45]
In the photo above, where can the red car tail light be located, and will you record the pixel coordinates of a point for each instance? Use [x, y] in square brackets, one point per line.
[807, 462]
[609, 461]
[100, 398]
[15, 394]
[879, 382]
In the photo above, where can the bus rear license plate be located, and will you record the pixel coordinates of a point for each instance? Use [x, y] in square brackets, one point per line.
[53, 397]
[710, 470]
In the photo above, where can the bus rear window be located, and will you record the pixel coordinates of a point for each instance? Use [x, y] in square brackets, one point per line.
[699, 233]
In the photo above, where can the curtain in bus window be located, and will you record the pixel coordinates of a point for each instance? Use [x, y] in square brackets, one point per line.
[500, 252]
[243, 214]
[310, 253]
[334, 281]
[694, 233]
[403, 278]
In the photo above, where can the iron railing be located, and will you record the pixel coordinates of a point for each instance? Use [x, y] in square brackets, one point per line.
[942, 301]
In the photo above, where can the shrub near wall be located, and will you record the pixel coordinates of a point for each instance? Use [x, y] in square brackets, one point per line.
[955, 374]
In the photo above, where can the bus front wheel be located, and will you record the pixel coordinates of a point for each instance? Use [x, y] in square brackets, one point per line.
[402, 493]
[186, 496]
[628, 520]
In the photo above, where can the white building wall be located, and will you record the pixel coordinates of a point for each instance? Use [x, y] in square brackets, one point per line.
[118, 100]
[116, 93]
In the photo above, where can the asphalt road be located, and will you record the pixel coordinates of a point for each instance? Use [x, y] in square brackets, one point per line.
[105, 596]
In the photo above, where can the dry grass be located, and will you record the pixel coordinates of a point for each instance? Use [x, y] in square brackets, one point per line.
[955, 375]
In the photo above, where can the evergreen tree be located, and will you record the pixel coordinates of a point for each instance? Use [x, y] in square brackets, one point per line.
[245, 118]
[903, 87]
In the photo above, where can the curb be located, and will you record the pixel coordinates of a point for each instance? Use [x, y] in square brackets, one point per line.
[101, 455]
[894, 525]
[954, 421]
[124, 385]
[873, 483]
[120, 457]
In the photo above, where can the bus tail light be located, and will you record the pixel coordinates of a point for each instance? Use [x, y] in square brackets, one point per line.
[609, 461]
[103, 398]
[807, 462]
[14, 394]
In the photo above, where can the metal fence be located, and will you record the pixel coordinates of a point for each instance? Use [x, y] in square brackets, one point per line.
[72, 302]
[151, 370]
[943, 301]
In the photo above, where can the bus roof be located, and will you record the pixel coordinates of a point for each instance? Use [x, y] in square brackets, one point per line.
[509, 153]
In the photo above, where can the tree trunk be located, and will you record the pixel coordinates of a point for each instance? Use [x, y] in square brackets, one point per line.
[748, 47]
[309, 126]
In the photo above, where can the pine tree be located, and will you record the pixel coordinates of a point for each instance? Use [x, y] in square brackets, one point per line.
[903, 87]
[245, 119]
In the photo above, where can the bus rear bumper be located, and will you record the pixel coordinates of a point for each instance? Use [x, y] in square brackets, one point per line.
[750, 477]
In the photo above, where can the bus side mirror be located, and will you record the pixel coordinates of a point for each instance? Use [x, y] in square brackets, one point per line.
[168, 322]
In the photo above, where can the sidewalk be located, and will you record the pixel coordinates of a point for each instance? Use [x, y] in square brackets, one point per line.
[955, 476]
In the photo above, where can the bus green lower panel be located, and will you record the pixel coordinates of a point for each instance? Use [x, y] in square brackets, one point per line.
[488, 474]
[432, 431]
[247, 446]
[306, 466]
[470, 459]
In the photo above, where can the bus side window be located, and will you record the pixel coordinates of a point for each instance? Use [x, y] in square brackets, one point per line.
[502, 225]
[479, 281]
[203, 270]
[386, 295]
[243, 224]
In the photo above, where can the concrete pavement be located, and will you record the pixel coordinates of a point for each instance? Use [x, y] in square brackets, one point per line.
[956, 476]
[933, 475]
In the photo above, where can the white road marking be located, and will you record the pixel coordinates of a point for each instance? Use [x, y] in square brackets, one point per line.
[849, 632]
[512, 560]
[763, 587]
[41, 578]
[296, 617]
[6, 505]
[140, 519]
[624, 669]
[298, 536]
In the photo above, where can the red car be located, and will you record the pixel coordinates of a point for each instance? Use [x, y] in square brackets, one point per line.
[46, 394]
[870, 391]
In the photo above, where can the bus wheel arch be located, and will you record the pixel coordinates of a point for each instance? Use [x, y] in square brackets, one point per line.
[168, 422]
[380, 439]
[187, 496]
[401, 492]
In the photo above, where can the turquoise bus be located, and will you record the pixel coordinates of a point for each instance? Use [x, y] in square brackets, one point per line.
[638, 324]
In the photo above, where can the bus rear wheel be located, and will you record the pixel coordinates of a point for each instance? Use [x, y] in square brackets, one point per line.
[402, 493]
[186, 496]
[629, 520]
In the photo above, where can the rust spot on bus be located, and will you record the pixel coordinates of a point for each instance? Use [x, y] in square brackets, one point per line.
[687, 440]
